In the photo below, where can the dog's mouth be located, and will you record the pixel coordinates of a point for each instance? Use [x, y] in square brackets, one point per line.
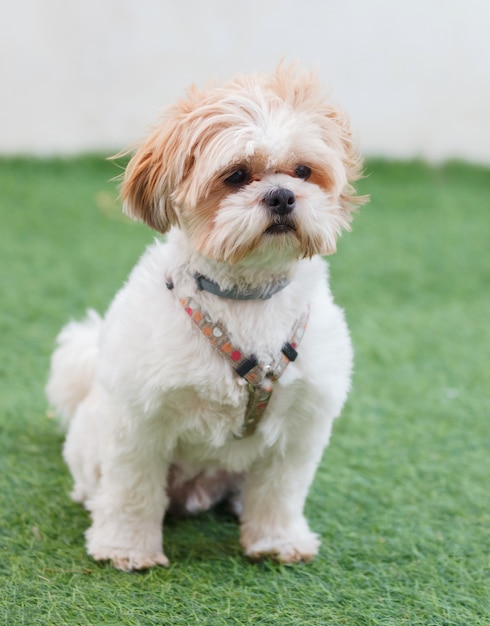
[281, 228]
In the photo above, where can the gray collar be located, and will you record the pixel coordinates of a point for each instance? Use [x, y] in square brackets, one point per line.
[262, 293]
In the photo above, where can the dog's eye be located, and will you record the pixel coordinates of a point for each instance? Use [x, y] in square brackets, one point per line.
[303, 171]
[238, 178]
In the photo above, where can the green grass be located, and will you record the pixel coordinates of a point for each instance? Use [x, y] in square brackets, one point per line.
[401, 499]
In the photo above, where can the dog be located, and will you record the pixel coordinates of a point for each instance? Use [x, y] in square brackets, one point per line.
[221, 364]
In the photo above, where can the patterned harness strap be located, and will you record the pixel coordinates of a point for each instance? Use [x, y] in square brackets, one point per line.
[258, 376]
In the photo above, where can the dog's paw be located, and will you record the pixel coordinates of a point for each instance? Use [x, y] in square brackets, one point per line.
[129, 561]
[283, 549]
[126, 550]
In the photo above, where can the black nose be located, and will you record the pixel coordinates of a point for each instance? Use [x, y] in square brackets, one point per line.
[280, 200]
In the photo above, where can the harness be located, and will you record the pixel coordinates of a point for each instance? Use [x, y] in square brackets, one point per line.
[259, 376]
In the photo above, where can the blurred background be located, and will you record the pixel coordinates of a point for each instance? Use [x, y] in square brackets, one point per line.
[91, 76]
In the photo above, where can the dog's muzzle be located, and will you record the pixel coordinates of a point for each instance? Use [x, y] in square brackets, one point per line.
[280, 201]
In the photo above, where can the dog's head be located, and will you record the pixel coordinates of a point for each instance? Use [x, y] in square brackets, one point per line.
[261, 165]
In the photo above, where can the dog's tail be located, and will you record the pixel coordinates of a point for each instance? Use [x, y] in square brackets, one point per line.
[73, 365]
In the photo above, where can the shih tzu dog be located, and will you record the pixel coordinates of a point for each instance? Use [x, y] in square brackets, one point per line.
[221, 364]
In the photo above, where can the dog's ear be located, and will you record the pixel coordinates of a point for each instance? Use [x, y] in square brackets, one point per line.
[156, 169]
[144, 191]
[351, 158]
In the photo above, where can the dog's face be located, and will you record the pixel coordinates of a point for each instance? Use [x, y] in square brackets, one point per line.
[259, 168]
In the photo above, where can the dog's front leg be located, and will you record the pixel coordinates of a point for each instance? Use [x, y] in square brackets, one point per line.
[272, 523]
[128, 508]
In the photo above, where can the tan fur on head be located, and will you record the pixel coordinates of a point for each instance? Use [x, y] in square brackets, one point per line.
[147, 187]
[266, 123]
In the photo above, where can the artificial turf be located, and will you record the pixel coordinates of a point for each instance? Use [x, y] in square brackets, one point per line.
[401, 499]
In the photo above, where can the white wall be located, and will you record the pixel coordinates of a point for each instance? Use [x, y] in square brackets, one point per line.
[91, 75]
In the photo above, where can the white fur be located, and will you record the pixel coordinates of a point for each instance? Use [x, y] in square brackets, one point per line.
[145, 395]
[161, 395]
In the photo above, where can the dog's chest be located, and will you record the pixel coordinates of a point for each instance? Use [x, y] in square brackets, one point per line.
[206, 412]
[208, 428]
[214, 408]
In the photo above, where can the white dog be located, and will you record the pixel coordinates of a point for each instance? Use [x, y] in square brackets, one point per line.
[189, 389]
